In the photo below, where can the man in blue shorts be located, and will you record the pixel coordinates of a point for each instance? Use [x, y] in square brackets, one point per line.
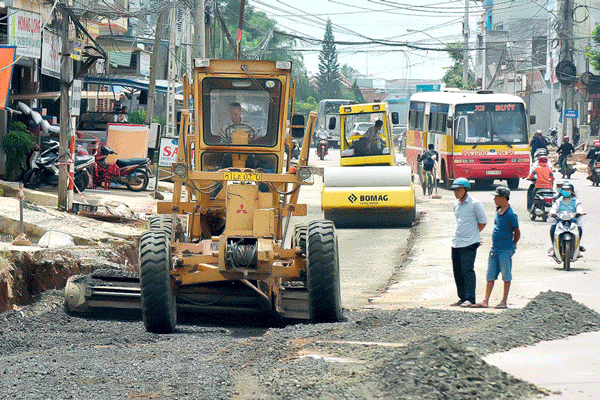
[505, 236]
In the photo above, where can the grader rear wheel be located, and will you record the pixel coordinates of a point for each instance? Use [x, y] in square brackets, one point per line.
[159, 309]
[323, 273]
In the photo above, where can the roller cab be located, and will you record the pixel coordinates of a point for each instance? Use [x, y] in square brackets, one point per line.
[368, 189]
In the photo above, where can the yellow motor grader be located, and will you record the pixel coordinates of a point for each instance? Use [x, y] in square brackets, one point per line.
[219, 246]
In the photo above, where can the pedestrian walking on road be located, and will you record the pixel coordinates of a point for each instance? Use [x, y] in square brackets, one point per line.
[505, 236]
[470, 221]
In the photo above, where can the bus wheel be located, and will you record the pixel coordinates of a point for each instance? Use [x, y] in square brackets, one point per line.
[513, 183]
[447, 182]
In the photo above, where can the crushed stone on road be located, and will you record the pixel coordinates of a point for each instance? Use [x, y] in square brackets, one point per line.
[374, 354]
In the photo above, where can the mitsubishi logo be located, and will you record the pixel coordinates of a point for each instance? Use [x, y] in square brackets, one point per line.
[352, 198]
[241, 210]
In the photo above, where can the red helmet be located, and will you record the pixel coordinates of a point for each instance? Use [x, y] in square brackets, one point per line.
[596, 143]
[543, 159]
[566, 139]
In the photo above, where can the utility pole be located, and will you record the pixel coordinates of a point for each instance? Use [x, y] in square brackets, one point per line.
[566, 54]
[160, 24]
[466, 45]
[63, 140]
[199, 43]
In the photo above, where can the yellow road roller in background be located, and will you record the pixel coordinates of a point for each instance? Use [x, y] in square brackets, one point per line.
[368, 189]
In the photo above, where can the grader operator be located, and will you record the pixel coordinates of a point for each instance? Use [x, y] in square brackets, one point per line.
[221, 247]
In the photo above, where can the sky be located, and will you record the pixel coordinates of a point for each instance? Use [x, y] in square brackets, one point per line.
[423, 23]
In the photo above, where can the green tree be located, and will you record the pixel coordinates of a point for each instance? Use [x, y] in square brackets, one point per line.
[349, 72]
[594, 55]
[328, 79]
[453, 76]
[357, 93]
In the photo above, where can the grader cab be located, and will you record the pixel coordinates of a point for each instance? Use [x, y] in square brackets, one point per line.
[220, 244]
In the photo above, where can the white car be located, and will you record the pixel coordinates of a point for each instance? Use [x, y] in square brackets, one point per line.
[359, 128]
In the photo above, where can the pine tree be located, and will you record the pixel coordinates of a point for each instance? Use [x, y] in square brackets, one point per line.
[328, 79]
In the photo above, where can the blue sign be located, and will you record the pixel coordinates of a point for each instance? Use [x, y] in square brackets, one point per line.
[571, 114]
[428, 88]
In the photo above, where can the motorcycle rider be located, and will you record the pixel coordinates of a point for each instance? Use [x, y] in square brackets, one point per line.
[429, 159]
[542, 176]
[564, 151]
[593, 155]
[538, 142]
[568, 202]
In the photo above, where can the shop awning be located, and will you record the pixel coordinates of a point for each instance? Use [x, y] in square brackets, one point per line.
[132, 82]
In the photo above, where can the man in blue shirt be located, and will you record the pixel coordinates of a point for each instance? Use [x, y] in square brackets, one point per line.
[470, 221]
[505, 236]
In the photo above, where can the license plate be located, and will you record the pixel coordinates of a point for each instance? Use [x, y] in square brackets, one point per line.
[493, 172]
[570, 162]
[242, 176]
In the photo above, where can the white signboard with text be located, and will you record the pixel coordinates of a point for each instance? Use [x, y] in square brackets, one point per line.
[24, 31]
[76, 97]
[51, 54]
[168, 152]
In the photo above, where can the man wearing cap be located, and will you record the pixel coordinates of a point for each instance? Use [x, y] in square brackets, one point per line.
[537, 142]
[505, 236]
[470, 221]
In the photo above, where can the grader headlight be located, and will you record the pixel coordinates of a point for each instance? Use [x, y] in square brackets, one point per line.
[305, 173]
[180, 170]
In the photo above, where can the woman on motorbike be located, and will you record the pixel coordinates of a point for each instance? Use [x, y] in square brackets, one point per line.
[567, 202]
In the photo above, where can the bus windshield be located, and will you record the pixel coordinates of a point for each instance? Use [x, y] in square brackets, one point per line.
[490, 123]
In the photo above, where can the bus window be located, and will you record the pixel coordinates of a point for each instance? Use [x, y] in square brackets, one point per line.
[416, 115]
[461, 131]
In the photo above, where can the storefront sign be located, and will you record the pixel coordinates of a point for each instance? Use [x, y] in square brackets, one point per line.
[168, 152]
[24, 31]
[7, 57]
[144, 63]
[51, 54]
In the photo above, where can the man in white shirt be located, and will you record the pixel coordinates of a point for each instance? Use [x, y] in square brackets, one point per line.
[470, 221]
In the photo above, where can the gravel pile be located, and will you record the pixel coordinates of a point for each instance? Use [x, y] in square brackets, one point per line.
[418, 354]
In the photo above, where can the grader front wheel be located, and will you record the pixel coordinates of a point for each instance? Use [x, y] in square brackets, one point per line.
[159, 309]
[323, 273]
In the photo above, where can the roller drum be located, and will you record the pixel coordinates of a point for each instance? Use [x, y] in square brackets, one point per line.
[369, 176]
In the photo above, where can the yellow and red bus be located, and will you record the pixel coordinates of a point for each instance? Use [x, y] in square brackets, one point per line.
[481, 136]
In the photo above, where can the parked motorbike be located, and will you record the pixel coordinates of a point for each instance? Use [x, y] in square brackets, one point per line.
[565, 242]
[553, 139]
[542, 203]
[46, 169]
[567, 167]
[595, 176]
[322, 148]
[134, 173]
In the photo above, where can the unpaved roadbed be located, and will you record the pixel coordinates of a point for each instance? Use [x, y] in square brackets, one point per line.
[375, 354]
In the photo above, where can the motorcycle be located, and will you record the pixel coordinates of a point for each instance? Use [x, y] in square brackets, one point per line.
[542, 203]
[553, 139]
[322, 148]
[595, 176]
[134, 173]
[565, 242]
[567, 167]
[46, 169]
[542, 151]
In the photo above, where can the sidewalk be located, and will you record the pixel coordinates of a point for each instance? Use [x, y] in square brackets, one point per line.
[570, 366]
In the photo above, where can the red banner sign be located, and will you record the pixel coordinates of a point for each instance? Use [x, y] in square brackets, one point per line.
[7, 57]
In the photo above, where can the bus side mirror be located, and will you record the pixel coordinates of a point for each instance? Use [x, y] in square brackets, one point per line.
[395, 119]
[532, 120]
[298, 126]
[449, 123]
[332, 122]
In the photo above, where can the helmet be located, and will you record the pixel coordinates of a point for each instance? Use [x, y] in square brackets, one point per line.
[560, 183]
[502, 191]
[460, 182]
[566, 139]
[568, 185]
[543, 159]
[596, 143]
[538, 132]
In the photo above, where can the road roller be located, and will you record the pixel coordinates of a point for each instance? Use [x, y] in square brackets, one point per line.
[368, 189]
[220, 245]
